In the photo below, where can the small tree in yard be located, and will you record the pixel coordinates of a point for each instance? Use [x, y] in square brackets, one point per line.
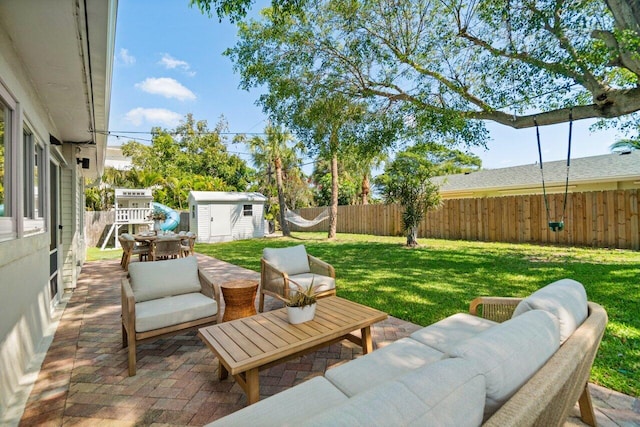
[406, 181]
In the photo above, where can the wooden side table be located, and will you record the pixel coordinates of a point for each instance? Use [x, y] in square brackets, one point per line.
[239, 299]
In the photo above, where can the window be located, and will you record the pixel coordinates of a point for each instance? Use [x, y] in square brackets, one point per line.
[33, 189]
[193, 211]
[5, 163]
[247, 210]
[7, 177]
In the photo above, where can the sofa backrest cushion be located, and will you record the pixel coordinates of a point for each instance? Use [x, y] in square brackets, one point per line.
[450, 392]
[510, 353]
[291, 260]
[158, 279]
[566, 299]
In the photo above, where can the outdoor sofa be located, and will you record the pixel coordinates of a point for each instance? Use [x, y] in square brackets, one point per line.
[465, 370]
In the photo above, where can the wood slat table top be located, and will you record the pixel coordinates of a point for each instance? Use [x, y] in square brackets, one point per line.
[255, 341]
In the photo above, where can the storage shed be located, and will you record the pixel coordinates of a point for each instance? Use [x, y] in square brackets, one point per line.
[221, 216]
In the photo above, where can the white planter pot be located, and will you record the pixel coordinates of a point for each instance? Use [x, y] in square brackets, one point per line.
[301, 314]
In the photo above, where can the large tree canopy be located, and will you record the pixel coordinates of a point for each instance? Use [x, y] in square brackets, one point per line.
[442, 61]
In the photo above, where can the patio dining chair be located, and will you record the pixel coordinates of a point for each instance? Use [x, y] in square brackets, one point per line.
[283, 269]
[187, 243]
[129, 249]
[165, 248]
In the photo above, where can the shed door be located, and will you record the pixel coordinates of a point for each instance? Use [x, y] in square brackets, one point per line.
[204, 219]
[220, 223]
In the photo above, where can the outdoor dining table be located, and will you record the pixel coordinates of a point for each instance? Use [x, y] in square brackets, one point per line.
[142, 237]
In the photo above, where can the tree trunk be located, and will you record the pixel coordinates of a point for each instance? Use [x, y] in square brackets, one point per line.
[333, 213]
[412, 237]
[283, 222]
[366, 189]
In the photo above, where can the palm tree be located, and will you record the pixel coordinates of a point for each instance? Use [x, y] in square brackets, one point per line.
[361, 165]
[625, 144]
[274, 151]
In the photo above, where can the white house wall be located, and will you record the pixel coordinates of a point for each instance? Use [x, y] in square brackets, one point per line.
[72, 210]
[25, 303]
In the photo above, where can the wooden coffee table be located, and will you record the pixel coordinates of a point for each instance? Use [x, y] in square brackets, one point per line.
[244, 346]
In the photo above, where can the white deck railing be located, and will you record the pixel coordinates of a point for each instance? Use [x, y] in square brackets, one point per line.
[133, 215]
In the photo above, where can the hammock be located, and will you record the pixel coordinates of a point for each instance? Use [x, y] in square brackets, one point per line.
[296, 219]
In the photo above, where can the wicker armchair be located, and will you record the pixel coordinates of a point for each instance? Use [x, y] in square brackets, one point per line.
[283, 269]
[498, 309]
[164, 298]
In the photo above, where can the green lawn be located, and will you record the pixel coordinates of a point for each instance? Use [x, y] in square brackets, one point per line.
[426, 284]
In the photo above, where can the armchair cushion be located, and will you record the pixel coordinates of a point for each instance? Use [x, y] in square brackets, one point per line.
[291, 260]
[162, 312]
[152, 280]
[566, 299]
[446, 333]
[510, 353]
[324, 283]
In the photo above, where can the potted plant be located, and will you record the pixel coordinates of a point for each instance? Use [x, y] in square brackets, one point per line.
[157, 216]
[301, 306]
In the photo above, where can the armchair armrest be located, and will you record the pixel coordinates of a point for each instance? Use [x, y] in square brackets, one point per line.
[128, 306]
[270, 276]
[497, 309]
[209, 288]
[317, 266]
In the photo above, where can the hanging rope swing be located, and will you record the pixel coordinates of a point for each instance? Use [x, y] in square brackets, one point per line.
[555, 225]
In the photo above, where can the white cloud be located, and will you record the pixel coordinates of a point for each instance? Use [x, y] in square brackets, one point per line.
[153, 116]
[126, 58]
[170, 62]
[167, 87]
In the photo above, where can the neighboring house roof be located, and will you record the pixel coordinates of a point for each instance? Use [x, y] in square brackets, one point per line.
[605, 168]
[117, 160]
[226, 196]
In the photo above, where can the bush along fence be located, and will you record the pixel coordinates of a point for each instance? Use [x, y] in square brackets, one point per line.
[603, 219]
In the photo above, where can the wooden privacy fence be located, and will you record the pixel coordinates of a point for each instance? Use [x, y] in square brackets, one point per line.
[596, 219]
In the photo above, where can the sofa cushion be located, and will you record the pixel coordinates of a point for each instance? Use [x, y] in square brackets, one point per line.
[323, 283]
[566, 299]
[382, 365]
[158, 279]
[291, 260]
[447, 393]
[288, 408]
[161, 312]
[446, 333]
[509, 353]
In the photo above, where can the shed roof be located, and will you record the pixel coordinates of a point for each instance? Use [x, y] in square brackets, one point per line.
[605, 168]
[226, 196]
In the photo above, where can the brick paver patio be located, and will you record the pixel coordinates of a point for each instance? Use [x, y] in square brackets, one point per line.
[84, 381]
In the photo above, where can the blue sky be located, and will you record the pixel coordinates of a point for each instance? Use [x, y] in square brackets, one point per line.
[169, 63]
